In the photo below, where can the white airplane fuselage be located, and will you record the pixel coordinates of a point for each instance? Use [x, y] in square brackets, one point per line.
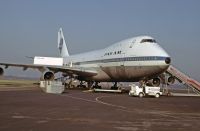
[130, 60]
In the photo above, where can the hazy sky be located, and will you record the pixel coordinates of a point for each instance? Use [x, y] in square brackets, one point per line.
[29, 28]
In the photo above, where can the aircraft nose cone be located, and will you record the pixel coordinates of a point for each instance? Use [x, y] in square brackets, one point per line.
[168, 60]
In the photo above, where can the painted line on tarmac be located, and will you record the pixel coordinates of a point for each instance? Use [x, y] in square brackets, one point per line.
[108, 104]
[97, 100]
[121, 108]
[79, 98]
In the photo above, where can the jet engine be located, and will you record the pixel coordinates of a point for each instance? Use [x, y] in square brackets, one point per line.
[1, 71]
[48, 76]
[170, 80]
[65, 74]
[154, 82]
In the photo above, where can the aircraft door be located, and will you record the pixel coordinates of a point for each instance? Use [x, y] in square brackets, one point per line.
[120, 69]
[122, 59]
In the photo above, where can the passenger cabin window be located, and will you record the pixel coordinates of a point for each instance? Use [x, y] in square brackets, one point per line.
[148, 40]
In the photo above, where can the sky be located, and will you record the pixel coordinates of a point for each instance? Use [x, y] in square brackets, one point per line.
[29, 28]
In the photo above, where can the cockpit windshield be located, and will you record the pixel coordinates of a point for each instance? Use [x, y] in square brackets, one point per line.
[148, 40]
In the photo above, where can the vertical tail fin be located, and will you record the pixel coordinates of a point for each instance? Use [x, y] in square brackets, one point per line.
[62, 45]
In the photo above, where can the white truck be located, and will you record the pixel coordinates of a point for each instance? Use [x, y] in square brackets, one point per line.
[144, 91]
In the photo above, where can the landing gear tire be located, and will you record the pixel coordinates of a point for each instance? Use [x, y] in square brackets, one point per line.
[89, 84]
[81, 86]
[96, 86]
[114, 88]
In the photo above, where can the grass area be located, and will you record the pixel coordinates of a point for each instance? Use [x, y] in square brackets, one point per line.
[5, 83]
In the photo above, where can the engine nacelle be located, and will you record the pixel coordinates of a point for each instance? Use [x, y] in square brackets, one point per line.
[48, 76]
[1, 71]
[65, 74]
[154, 82]
[170, 80]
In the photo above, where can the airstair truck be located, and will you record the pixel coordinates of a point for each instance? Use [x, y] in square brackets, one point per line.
[144, 91]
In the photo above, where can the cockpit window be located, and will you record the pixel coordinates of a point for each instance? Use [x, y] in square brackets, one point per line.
[148, 40]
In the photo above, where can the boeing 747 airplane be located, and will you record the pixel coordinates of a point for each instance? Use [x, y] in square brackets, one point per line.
[131, 60]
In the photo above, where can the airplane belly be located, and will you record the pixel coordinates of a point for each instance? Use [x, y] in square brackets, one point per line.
[140, 72]
[132, 73]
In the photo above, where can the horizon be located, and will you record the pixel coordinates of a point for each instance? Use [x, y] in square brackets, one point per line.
[29, 28]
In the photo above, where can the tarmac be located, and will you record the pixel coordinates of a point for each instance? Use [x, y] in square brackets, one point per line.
[30, 109]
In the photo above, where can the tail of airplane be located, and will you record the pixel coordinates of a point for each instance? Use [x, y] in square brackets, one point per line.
[62, 45]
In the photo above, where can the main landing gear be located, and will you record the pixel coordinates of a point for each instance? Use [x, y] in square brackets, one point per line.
[81, 85]
[114, 87]
[96, 86]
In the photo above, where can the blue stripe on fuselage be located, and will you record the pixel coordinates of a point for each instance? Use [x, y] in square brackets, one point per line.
[143, 58]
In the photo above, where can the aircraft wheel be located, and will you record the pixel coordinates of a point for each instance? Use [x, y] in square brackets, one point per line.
[114, 88]
[83, 86]
[99, 87]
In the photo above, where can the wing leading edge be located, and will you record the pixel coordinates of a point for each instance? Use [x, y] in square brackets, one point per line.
[64, 69]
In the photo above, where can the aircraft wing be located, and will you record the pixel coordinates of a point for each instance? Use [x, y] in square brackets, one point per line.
[65, 69]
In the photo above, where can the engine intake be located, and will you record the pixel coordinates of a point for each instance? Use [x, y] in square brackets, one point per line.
[48, 76]
[170, 80]
[1, 71]
[154, 82]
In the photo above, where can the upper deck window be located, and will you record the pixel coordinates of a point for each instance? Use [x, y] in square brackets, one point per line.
[148, 40]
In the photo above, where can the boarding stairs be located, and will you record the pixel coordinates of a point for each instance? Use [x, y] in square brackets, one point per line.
[183, 78]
